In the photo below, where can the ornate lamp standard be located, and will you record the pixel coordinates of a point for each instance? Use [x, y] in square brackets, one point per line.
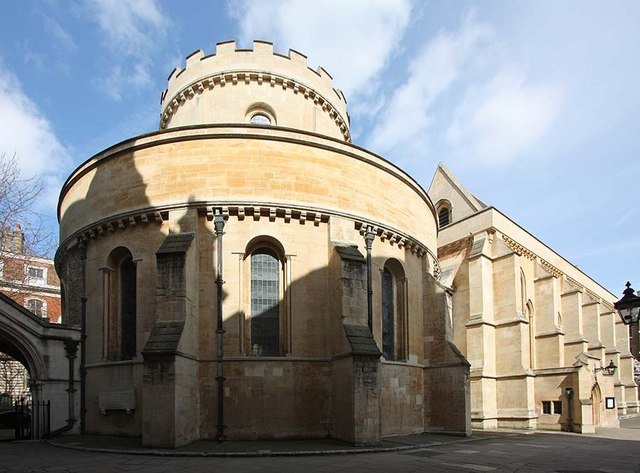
[629, 307]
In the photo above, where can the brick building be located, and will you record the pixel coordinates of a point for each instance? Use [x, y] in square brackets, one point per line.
[30, 280]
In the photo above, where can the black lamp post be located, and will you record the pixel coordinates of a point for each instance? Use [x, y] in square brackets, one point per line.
[629, 307]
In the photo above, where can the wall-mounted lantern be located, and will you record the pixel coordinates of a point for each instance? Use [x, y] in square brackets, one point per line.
[608, 370]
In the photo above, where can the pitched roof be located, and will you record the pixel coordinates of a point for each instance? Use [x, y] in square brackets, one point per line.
[475, 203]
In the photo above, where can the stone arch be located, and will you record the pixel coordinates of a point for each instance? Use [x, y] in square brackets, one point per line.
[18, 346]
[444, 212]
[261, 108]
[268, 242]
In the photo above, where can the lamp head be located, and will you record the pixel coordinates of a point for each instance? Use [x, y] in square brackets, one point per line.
[628, 306]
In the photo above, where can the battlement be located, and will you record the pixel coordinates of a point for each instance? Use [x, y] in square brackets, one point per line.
[261, 66]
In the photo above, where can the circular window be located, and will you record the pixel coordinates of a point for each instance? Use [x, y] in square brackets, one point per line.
[260, 119]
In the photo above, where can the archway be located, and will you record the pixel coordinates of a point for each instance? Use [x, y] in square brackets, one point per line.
[40, 346]
[18, 347]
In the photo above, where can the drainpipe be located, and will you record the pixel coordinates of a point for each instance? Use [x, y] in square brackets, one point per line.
[83, 336]
[369, 236]
[218, 222]
[569, 393]
[70, 348]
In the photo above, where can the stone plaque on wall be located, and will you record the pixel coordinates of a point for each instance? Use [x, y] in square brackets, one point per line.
[123, 400]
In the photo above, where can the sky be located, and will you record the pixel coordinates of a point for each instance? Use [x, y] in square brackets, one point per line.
[533, 105]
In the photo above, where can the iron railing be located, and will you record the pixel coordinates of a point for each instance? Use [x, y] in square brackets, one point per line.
[32, 419]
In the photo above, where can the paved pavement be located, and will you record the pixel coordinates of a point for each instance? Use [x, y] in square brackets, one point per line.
[500, 452]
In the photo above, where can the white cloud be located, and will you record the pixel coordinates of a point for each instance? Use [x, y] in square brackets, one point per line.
[129, 26]
[62, 39]
[353, 40]
[27, 133]
[133, 30]
[136, 76]
[435, 69]
[499, 121]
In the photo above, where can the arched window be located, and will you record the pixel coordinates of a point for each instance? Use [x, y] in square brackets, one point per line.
[388, 316]
[265, 302]
[523, 291]
[260, 114]
[532, 334]
[394, 315]
[37, 306]
[260, 119]
[444, 217]
[120, 307]
[128, 308]
[444, 213]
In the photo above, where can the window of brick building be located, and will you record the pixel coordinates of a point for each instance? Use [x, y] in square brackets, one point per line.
[37, 306]
[36, 275]
[546, 407]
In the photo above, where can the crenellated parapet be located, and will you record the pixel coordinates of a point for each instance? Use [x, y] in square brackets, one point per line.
[224, 87]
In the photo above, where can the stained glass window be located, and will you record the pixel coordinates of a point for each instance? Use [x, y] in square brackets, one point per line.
[128, 308]
[388, 310]
[265, 303]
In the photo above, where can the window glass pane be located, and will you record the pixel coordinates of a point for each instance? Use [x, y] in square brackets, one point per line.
[388, 310]
[36, 273]
[36, 306]
[443, 217]
[546, 407]
[557, 407]
[260, 119]
[265, 303]
[128, 308]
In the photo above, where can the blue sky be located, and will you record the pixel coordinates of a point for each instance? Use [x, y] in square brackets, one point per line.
[533, 105]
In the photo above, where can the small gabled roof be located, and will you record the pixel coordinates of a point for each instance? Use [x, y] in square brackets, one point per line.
[445, 186]
[446, 173]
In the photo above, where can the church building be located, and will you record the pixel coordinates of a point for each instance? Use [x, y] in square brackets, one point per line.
[541, 336]
[246, 272]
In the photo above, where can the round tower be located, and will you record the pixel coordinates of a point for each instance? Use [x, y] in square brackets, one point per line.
[254, 86]
[260, 142]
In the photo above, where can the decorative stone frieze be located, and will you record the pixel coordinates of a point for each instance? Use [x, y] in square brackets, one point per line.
[518, 248]
[245, 78]
[550, 268]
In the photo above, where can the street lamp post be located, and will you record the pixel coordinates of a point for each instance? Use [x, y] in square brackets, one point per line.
[629, 307]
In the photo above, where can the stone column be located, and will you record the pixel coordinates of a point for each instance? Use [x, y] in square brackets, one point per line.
[574, 343]
[481, 335]
[447, 395]
[355, 369]
[170, 377]
[514, 377]
[591, 324]
[549, 332]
